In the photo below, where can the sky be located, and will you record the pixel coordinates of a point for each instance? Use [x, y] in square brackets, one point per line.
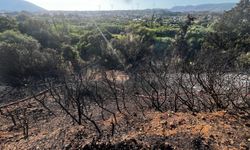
[118, 4]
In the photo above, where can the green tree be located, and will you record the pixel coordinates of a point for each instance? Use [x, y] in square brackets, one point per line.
[7, 23]
[71, 56]
[231, 37]
[92, 45]
[136, 47]
[69, 53]
[21, 59]
[40, 30]
[182, 48]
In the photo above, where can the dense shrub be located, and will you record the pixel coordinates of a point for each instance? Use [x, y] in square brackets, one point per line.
[22, 59]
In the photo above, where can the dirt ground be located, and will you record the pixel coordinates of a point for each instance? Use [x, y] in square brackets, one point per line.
[153, 130]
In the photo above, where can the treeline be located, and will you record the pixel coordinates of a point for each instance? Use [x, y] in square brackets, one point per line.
[34, 47]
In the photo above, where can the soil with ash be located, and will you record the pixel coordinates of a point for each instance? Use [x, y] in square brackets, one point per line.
[151, 130]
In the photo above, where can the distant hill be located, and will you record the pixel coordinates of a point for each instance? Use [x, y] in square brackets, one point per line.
[204, 7]
[18, 5]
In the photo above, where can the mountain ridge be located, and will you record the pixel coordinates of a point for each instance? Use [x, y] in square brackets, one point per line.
[220, 7]
[19, 5]
[23, 5]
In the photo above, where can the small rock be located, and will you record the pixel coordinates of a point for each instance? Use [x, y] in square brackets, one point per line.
[172, 125]
[243, 146]
[67, 146]
[212, 137]
[231, 142]
[203, 118]
[182, 122]
[163, 122]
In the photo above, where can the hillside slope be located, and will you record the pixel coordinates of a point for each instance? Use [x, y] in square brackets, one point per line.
[19, 5]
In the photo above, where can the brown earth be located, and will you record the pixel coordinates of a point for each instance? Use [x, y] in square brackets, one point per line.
[153, 130]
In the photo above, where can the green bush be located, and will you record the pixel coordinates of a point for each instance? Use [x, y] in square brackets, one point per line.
[21, 59]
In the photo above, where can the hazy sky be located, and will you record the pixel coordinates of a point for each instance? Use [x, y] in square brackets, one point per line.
[117, 4]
